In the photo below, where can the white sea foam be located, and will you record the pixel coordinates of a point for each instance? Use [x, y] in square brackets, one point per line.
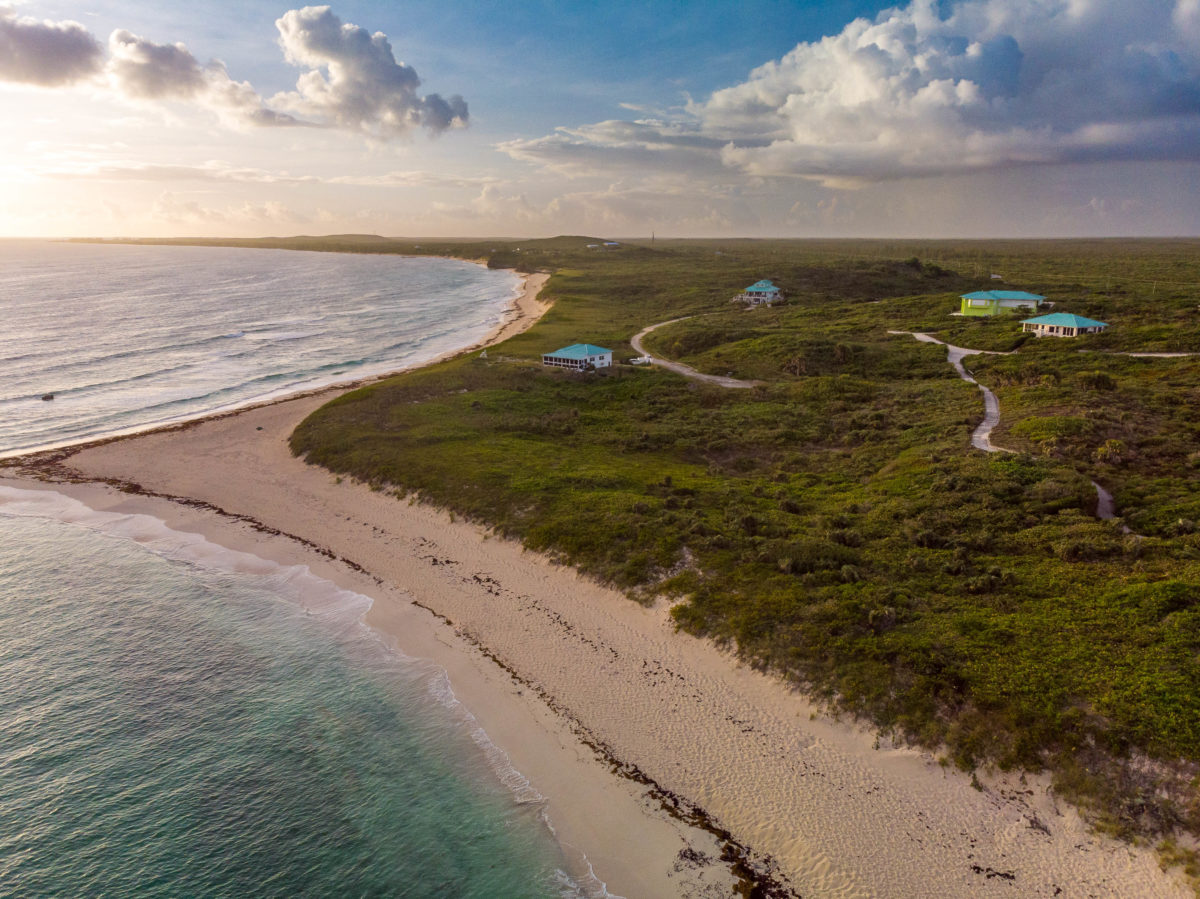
[343, 611]
[243, 326]
[297, 583]
[584, 884]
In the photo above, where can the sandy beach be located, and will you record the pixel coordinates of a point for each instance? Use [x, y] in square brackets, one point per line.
[656, 752]
[526, 309]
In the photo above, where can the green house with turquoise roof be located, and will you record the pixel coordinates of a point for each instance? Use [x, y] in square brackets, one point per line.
[991, 302]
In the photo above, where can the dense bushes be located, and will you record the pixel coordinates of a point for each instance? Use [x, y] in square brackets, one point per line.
[835, 523]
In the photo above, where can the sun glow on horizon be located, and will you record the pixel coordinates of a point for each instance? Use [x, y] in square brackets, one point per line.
[901, 122]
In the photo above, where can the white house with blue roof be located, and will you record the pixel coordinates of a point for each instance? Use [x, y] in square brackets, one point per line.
[759, 293]
[1062, 324]
[579, 356]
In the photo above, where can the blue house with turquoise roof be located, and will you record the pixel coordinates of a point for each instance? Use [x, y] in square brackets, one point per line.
[1062, 324]
[579, 356]
[990, 302]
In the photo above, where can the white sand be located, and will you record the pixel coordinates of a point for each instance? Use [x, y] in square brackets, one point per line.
[549, 662]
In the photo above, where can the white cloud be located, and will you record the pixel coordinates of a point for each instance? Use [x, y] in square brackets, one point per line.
[1187, 18]
[49, 54]
[933, 88]
[144, 70]
[144, 171]
[413, 179]
[354, 81]
[674, 204]
[492, 204]
[682, 207]
[218, 171]
[646, 145]
[172, 208]
[176, 209]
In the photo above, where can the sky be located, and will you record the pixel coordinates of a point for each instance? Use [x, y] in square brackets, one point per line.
[623, 118]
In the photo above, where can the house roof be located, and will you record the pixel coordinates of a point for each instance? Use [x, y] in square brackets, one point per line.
[1002, 295]
[761, 286]
[1066, 320]
[579, 351]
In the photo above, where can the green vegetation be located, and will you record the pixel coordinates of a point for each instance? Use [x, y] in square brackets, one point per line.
[834, 524]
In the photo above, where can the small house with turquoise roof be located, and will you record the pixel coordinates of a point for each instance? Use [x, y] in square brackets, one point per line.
[759, 293]
[991, 302]
[579, 356]
[1062, 324]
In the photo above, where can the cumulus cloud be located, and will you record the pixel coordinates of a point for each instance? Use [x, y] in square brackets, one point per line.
[141, 69]
[991, 84]
[49, 54]
[146, 70]
[354, 80]
[934, 88]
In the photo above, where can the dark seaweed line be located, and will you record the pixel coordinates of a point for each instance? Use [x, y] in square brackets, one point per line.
[757, 875]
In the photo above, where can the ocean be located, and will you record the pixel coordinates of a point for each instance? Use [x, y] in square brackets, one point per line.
[128, 337]
[178, 719]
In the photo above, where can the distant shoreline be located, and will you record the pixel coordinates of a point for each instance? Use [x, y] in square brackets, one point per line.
[520, 313]
[576, 783]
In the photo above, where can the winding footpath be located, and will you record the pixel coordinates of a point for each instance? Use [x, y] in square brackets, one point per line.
[1106, 509]
[678, 367]
[981, 437]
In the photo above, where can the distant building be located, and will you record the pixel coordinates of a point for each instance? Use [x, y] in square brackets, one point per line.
[579, 356]
[759, 293]
[612, 243]
[1062, 324]
[990, 302]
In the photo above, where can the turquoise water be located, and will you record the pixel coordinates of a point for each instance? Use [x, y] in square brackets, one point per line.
[172, 730]
[170, 723]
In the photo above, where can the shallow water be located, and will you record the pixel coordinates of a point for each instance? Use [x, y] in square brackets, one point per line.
[171, 729]
[177, 719]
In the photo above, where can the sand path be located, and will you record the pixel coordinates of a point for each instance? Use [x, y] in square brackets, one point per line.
[678, 367]
[1106, 508]
[981, 436]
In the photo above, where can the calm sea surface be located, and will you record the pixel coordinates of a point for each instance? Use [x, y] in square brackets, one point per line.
[171, 725]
